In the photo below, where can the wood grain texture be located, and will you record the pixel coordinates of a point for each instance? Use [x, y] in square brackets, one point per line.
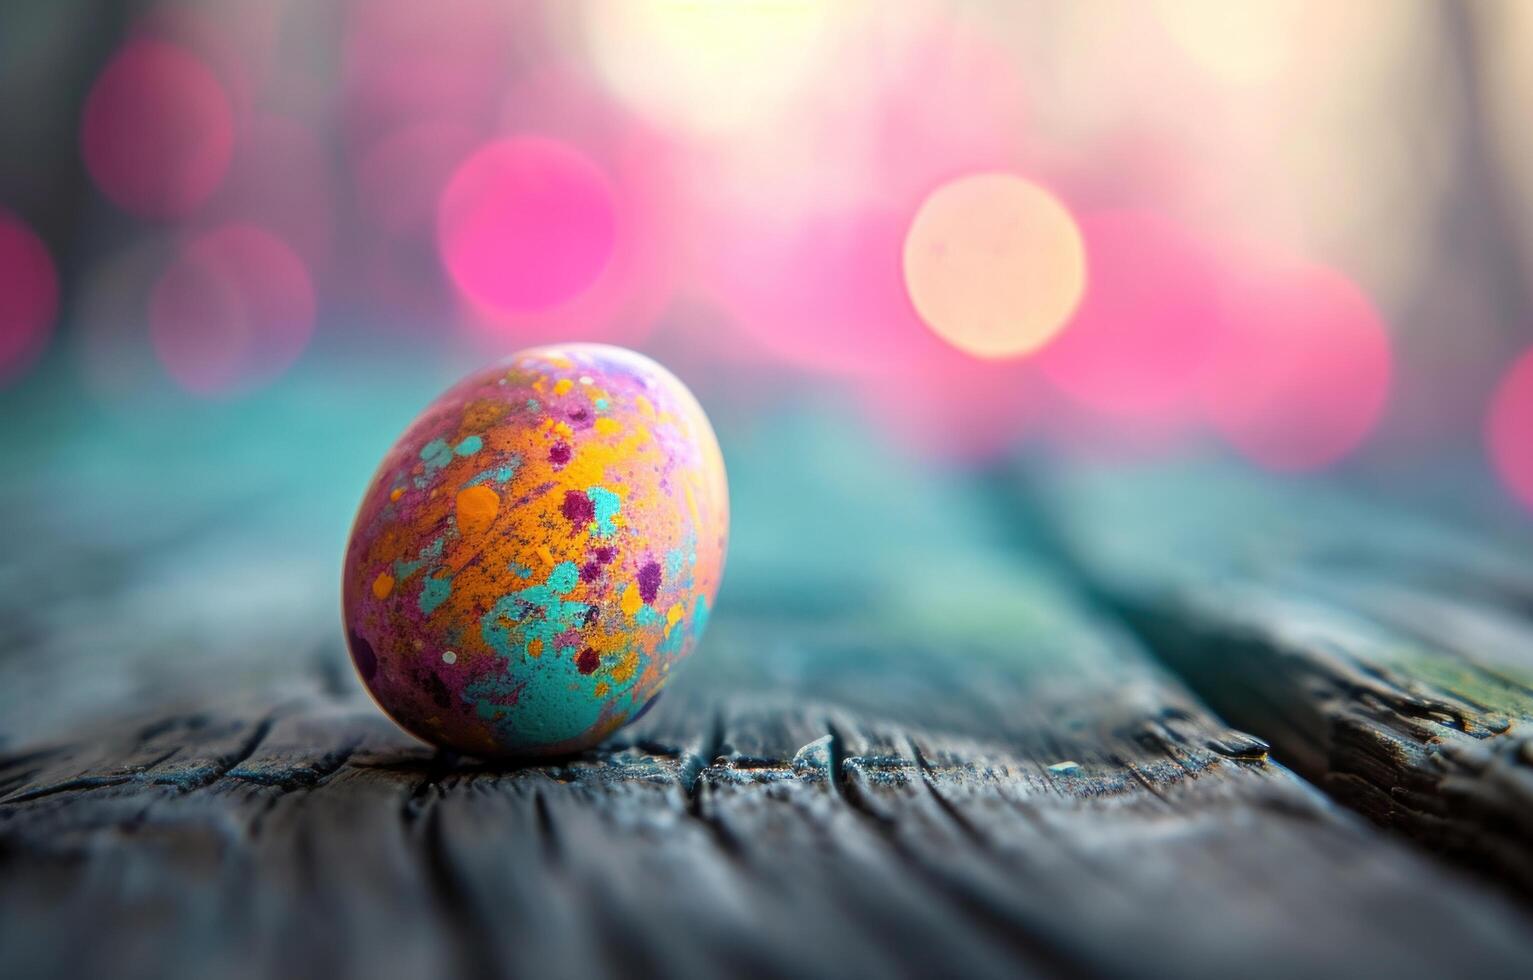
[1387, 656]
[919, 753]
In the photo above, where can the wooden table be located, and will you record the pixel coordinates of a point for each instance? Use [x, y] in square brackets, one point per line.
[942, 724]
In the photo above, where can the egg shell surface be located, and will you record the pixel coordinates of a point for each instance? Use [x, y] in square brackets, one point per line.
[537, 552]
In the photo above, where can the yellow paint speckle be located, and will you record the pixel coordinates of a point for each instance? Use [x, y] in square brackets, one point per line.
[632, 601]
[672, 617]
[563, 385]
[396, 493]
[383, 585]
[608, 426]
[602, 689]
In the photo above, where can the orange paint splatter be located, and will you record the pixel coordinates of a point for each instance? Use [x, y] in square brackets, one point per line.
[476, 509]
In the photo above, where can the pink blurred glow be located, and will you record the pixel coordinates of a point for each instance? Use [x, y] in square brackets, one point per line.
[1149, 320]
[1302, 373]
[237, 39]
[157, 132]
[637, 282]
[280, 180]
[29, 294]
[111, 342]
[399, 183]
[825, 293]
[526, 224]
[406, 61]
[1509, 429]
[232, 312]
[946, 405]
[956, 106]
[401, 177]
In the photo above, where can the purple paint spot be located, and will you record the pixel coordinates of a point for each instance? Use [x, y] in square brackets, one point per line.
[578, 509]
[578, 414]
[588, 661]
[649, 582]
[603, 555]
[590, 571]
[362, 653]
[559, 453]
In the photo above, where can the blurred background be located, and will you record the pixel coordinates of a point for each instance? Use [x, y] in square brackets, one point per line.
[1295, 229]
[244, 242]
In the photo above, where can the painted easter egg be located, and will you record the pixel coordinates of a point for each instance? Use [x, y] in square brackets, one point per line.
[537, 552]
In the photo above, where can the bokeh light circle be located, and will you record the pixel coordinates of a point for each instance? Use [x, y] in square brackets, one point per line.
[1509, 429]
[1138, 344]
[526, 224]
[232, 312]
[157, 132]
[29, 293]
[994, 264]
[824, 292]
[1302, 371]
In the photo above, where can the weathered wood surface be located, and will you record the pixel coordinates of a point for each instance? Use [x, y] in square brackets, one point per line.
[1387, 655]
[916, 753]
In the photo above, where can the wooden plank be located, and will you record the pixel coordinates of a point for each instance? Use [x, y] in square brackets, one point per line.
[908, 752]
[1386, 655]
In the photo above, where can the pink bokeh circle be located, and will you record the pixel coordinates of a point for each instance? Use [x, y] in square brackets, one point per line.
[526, 224]
[232, 312]
[29, 294]
[826, 293]
[1509, 429]
[157, 132]
[1141, 338]
[1302, 369]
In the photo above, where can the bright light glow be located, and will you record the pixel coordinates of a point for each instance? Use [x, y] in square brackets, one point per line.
[526, 224]
[994, 264]
[29, 293]
[1302, 372]
[157, 132]
[1509, 429]
[708, 66]
[1139, 342]
[232, 312]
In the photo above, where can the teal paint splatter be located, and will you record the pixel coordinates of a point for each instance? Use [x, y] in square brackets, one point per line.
[435, 590]
[430, 553]
[497, 474]
[601, 404]
[538, 612]
[533, 703]
[435, 455]
[470, 446]
[606, 505]
[533, 405]
[521, 571]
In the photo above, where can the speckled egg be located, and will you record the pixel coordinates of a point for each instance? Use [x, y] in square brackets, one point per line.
[537, 552]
